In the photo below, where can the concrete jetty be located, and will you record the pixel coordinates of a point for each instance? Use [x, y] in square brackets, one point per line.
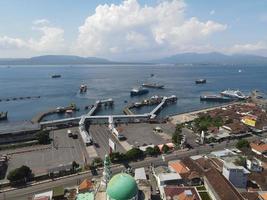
[38, 118]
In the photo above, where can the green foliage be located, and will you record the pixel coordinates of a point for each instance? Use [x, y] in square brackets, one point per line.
[242, 144]
[150, 151]
[75, 165]
[203, 122]
[21, 174]
[43, 137]
[177, 135]
[97, 162]
[241, 161]
[165, 148]
[134, 154]
[117, 157]
[156, 150]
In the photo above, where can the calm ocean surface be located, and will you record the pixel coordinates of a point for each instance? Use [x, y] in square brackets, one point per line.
[112, 81]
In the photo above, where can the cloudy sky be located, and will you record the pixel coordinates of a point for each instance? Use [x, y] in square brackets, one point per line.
[131, 29]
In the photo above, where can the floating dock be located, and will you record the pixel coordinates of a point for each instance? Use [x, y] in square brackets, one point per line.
[19, 98]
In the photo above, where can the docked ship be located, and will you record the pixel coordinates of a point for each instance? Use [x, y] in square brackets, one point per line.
[235, 94]
[83, 88]
[215, 98]
[56, 76]
[3, 115]
[153, 85]
[200, 81]
[139, 91]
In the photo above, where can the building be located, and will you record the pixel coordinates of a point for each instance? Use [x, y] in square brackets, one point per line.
[178, 167]
[43, 196]
[122, 187]
[259, 148]
[180, 193]
[254, 165]
[140, 174]
[237, 175]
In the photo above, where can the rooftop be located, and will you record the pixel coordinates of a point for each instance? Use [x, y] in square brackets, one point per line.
[260, 147]
[178, 167]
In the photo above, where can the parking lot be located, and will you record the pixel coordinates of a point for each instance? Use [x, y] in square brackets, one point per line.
[142, 134]
[63, 150]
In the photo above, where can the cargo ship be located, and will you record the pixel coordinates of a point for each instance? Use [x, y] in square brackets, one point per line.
[201, 81]
[215, 98]
[3, 115]
[153, 85]
[235, 94]
[139, 91]
[56, 76]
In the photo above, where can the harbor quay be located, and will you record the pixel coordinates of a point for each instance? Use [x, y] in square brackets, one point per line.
[91, 137]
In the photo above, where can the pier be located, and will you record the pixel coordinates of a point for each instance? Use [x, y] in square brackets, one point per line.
[106, 102]
[131, 117]
[38, 118]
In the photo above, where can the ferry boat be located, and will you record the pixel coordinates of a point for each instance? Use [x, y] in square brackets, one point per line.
[56, 76]
[201, 81]
[215, 98]
[3, 115]
[152, 85]
[83, 88]
[139, 91]
[235, 94]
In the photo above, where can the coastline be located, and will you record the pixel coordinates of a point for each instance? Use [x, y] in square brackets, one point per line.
[190, 116]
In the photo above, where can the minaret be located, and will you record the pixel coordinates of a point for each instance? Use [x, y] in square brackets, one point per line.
[202, 138]
[107, 171]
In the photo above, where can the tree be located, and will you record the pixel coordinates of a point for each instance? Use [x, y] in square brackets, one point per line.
[177, 135]
[150, 151]
[97, 162]
[165, 148]
[156, 150]
[241, 161]
[116, 157]
[134, 154]
[75, 165]
[242, 144]
[43, 137]
[20, 175]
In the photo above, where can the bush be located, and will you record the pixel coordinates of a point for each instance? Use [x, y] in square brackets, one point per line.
[165, 148]
[97, 162]
[177, 135]
[43, 137]
[117, 157]
[242, 144]
[134, 154]
[21, 174]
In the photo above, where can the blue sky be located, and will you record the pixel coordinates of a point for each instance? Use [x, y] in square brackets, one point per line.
[133, 28]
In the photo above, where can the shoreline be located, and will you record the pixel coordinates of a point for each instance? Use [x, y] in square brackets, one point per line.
[190, 116]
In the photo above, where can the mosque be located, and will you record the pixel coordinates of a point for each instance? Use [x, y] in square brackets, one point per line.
[121, 186]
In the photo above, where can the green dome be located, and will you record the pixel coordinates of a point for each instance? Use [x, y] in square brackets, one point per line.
[122, 187]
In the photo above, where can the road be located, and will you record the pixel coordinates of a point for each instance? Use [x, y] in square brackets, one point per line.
[101, 136]
[26, 193]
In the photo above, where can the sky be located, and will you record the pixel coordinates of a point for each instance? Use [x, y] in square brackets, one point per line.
[131, 29]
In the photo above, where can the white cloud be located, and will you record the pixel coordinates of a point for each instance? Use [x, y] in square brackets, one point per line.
[11, 43]
[51, 39]
[212, 12]
[249, 47]
[41, 22]
[129, 28]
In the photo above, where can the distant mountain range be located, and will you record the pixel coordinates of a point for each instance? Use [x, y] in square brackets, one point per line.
[212, 58]
[184, 58]
[54, 60]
